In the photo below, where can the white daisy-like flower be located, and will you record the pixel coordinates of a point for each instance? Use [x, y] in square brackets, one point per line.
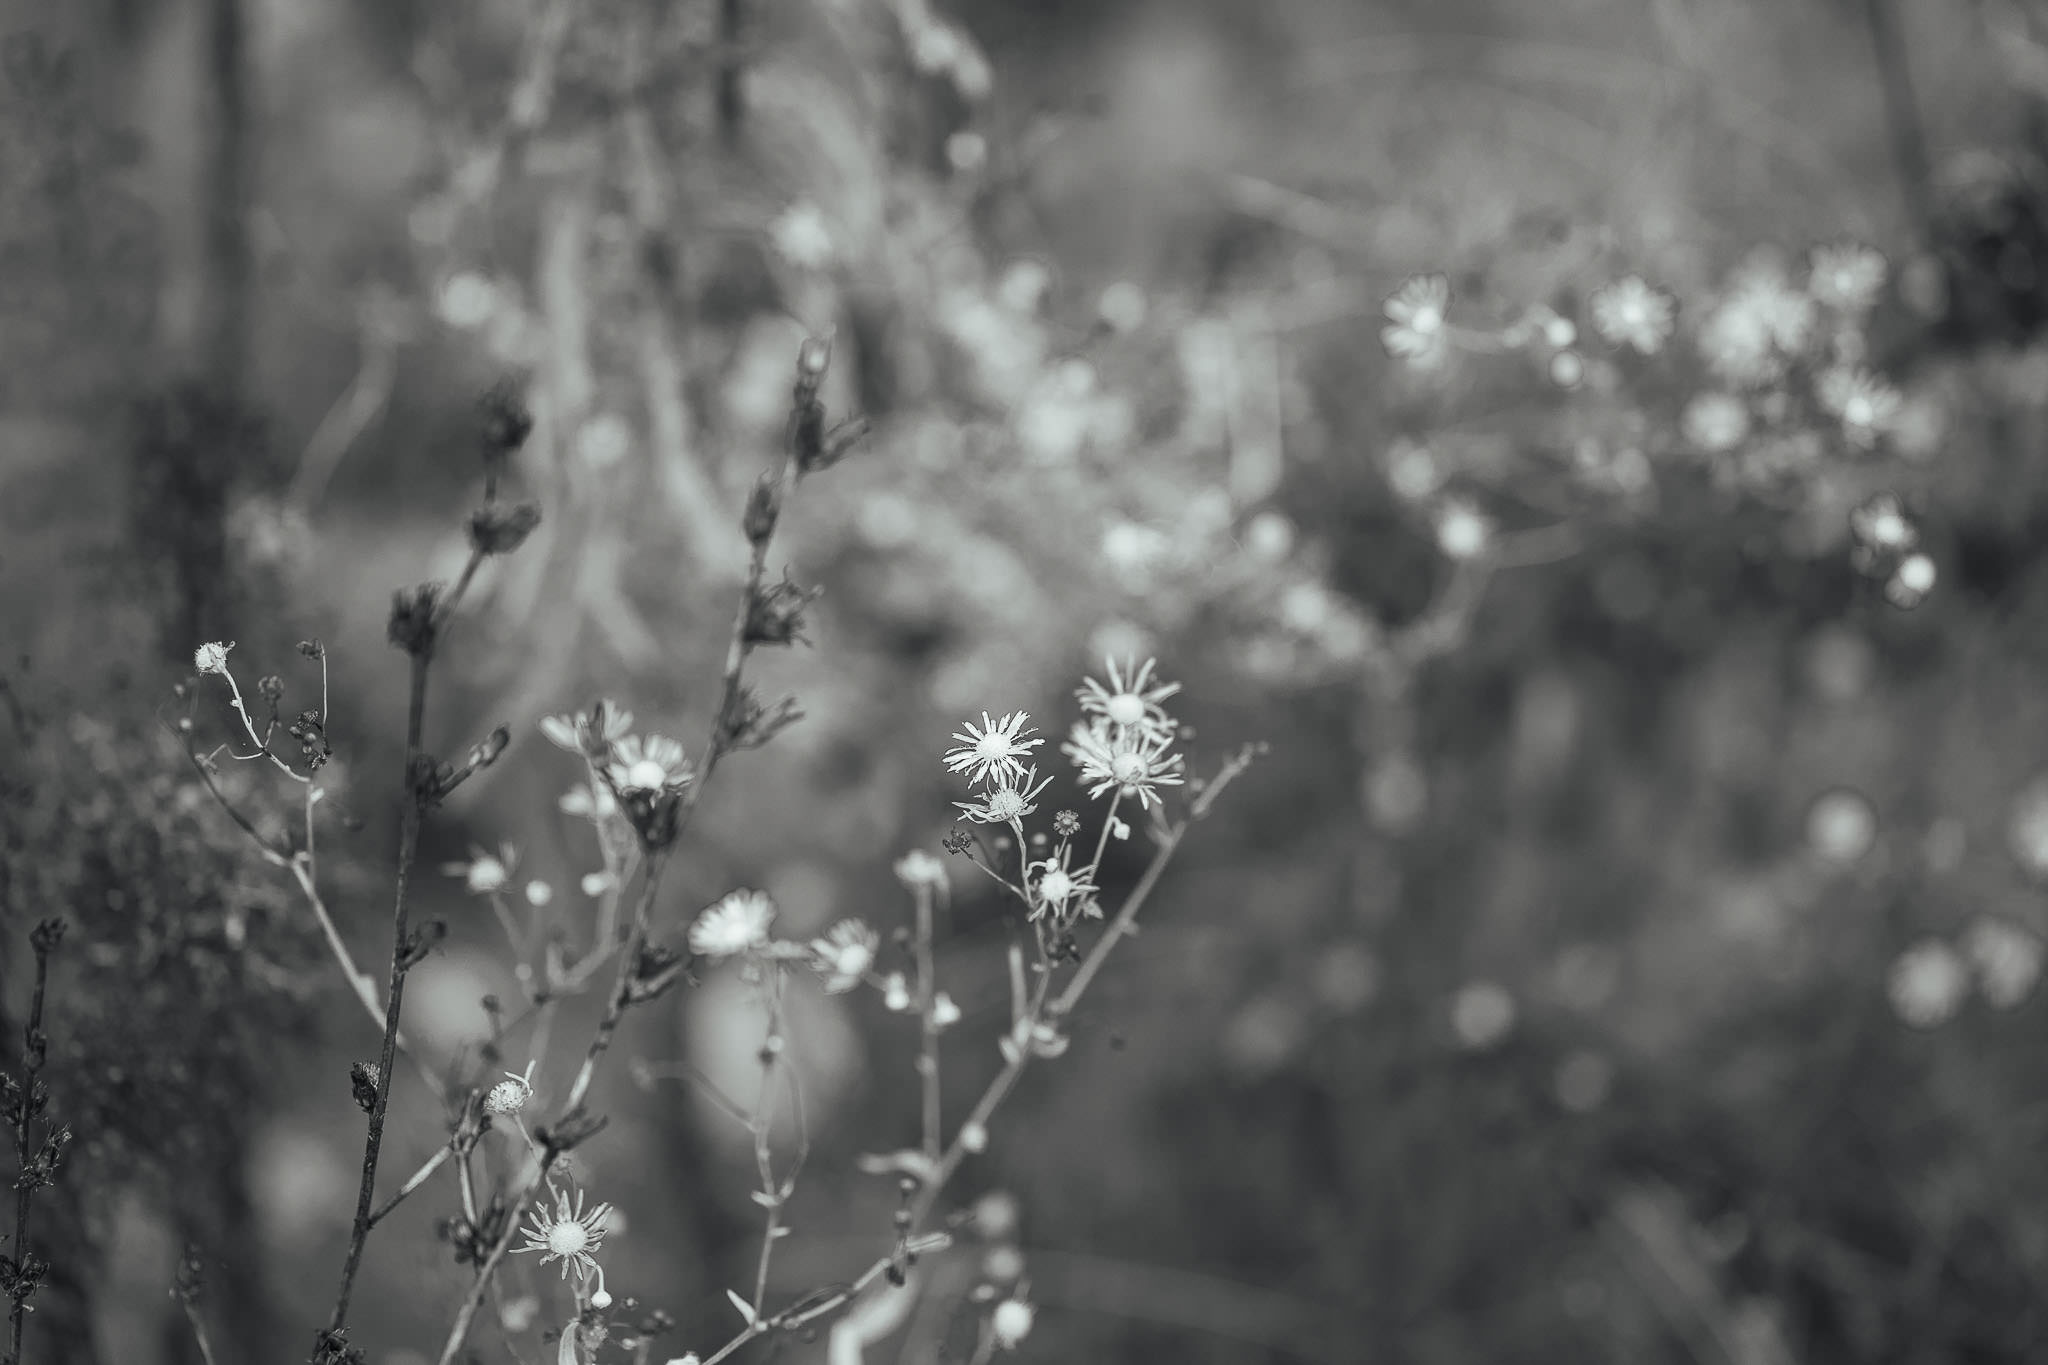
[1134, 764]
[212, 657]
[1880, 522]
[735, 924]
[648, 763]
[1846, 275]
[1462, 530]
[995, 751]
[1786, 314]
[1010, 800]
[588, 732]
[1715, 422]
[568, 1235]
[845, 954]
[1863, 401]
[1010, 1323]
[1416, 329]
[485, 873]
[1927, 983]
[1629, 312]
[1058, 885]
[1131, 700]
[802, 235]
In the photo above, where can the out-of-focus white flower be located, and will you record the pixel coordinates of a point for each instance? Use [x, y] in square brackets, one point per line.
[896, 992]
[1629, 312]
[1010, 1323]
[1841, 825]
[1927, 984]
[1416, 329]
[945, 1013]
[1412, 471]
[1024, 285]
[845, 954]
[1716, 422]
[735, 924]
[2007, 958]
[588, 732]
[966, 151]
[604, 440]
[919, 868]
[1567, 369]
[1482, 1014]
[466, 300]
[802, 235]
[1865, 403]
[995, 751]
[1131, 700]
[1462, 530]
[1880, 522]
[1122, 306]
[485, 873]
[539, 893]
[1911, 582]
[2026, 828]
[1846, 275]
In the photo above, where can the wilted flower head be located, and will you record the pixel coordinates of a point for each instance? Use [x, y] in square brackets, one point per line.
[995, 751]
[1010, 800]
[1131, 700]
[735, 924]
[845, 954]
[212, 658]
[510, 1095]
[1057, 885]
[1629, 312]
[1416, 323]
[1135, 764]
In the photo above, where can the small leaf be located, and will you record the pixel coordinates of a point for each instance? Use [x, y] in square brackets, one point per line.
[746, 1310]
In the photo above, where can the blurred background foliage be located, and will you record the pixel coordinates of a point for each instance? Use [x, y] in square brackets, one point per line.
[1625, 951]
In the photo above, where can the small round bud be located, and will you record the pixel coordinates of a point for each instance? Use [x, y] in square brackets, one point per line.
[1011, 1322]
[814, 357]
[974, 1138]
[600, 1299]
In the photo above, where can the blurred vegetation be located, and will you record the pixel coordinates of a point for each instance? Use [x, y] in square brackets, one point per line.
[1626, 950]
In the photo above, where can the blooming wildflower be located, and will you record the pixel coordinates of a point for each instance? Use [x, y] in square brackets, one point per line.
[919, 868]
[1736, 344]
[845, 954]
[1715, 422]
[1846, 275]
[1785, 315]
[1127, 702]
[510, 1095]
[1415, 330]
[995, 750]
[1864, 402]
[1629, 312]
[736, 923]
[1927, 983]
[1058, 884]
[1135, 764]
[212, 658]
[2007, 957]
[1462, 530]
[485, 873]
[591, 732]
[648, 763]
[567, 1235]
[1011, 800]
[1011, 1322]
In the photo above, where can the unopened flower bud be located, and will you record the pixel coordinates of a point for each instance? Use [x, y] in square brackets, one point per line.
[499, 528]
[764, 505]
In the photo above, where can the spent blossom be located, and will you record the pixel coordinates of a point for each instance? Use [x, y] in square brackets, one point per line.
[1058, 884]
[1008, 802]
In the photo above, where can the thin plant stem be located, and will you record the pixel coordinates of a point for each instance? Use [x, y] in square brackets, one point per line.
[927, 1009]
